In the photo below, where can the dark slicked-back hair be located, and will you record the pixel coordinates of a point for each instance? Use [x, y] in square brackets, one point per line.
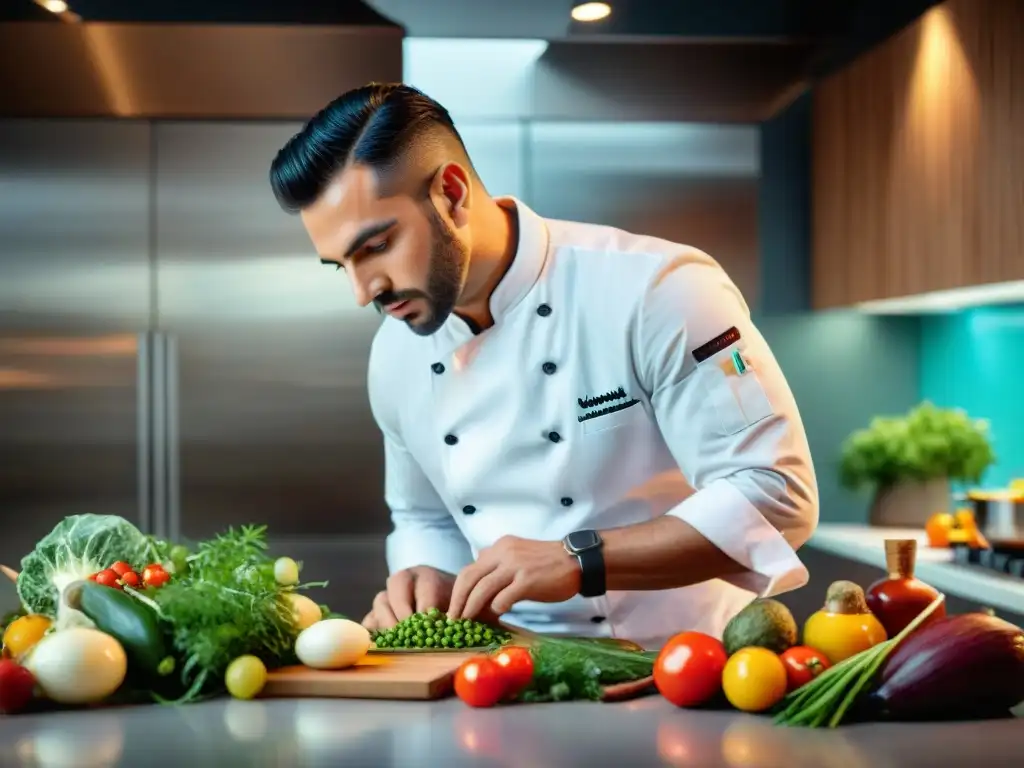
[376, 125]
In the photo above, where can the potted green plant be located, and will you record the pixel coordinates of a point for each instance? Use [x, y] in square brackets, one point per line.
[909, 462]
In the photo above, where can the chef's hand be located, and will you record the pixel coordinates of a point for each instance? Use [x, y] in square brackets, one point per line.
[410, 591]
[514, 569]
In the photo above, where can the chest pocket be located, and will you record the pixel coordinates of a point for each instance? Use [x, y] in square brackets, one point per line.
[631, 414]
[737, 395]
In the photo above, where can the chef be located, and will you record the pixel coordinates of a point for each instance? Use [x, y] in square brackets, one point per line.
[583, 430]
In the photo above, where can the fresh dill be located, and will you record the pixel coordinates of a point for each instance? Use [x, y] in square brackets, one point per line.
[227, 603]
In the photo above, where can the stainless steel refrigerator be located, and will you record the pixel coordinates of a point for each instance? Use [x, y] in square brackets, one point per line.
[171, 349]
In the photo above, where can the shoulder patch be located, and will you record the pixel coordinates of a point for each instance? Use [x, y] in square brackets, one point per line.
[717, 344]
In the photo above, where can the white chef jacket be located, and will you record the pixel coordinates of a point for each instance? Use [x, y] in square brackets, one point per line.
[585, 406]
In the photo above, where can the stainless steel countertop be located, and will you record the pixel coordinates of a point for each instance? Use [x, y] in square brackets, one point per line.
[645, 732]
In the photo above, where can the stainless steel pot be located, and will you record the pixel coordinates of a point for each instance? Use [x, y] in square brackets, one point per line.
[999, 514]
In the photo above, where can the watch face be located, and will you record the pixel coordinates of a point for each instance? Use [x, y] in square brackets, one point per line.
[581, 540]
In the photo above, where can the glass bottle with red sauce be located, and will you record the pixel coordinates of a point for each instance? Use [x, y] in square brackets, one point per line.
[897, 599]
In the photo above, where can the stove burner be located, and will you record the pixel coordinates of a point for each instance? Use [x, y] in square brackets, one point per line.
[1002, 558]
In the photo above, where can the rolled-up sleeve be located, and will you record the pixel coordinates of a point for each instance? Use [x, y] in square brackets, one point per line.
[730, 420]
[424, 530]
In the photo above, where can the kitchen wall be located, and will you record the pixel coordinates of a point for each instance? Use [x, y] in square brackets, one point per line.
[970, 359]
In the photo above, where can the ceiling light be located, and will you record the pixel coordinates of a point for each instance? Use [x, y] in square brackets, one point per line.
[947, 301]
[591, 11]
[54, 6]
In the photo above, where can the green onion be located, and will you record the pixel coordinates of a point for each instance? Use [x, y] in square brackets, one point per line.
[828, 698]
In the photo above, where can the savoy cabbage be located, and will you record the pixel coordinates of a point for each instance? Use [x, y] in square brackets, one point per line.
[77, 547]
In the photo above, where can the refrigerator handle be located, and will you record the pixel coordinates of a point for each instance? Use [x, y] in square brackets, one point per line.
[144, 438]
[158, 435]
[173, 512]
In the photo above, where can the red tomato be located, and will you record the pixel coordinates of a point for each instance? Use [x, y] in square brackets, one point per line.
[155, 576]
[130, 578]
[93, 577]
[479, 682]
[120, 568]
[516, 666]
[688, 670]
[108, 578]
[803, 664]
[17, 686]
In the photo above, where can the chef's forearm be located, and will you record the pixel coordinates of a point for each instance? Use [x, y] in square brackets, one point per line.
[664, 553]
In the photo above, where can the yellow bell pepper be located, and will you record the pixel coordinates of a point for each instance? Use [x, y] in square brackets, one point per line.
[844, 626]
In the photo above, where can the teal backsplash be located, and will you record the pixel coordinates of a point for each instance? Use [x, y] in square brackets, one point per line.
[971, 359]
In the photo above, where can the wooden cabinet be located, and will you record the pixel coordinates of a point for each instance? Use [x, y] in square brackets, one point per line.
[918, 159]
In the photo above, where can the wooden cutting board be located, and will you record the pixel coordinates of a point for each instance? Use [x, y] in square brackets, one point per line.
[412, 676]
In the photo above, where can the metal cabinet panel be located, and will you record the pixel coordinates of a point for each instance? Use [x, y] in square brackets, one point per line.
[74, 297]
[273, 421]
[688, 183]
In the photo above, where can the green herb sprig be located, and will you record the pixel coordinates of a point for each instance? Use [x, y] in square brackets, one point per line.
[566, 669]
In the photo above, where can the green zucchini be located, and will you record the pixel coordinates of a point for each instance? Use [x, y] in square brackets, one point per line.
[128, 621]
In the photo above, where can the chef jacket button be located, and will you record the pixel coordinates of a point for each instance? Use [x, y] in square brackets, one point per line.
[566, 501]
[543, 310]
[437, 368]
[451, 439]
[469, 509]
[549, 368]
[554, 437]
[596, 619]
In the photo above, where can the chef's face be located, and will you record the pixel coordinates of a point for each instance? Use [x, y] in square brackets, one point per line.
[399, 251]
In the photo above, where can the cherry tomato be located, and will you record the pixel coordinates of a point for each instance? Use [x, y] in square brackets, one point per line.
[155, 576]
[479, 682]
[130, 579]
[93, 576]
[688, 670]
[120, 568]
[516, 665]
[108, 578]
[803, 664]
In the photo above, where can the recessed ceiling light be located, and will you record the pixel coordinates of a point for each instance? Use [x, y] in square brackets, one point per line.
[54, 6]
[591, 11]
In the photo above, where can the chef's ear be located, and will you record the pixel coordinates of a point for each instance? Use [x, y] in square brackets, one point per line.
[452, 189]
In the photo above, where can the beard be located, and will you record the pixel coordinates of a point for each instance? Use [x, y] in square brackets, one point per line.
[448, 260]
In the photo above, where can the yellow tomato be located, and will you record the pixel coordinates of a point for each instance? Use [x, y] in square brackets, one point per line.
[754, 679]
[24, 633]
[245, 677]
[842, 635]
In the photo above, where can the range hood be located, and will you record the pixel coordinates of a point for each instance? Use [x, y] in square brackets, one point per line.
[191, 59]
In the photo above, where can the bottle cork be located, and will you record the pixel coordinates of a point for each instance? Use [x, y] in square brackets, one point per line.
[900, 557]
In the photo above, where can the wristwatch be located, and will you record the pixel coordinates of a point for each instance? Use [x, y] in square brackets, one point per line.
[586, 546]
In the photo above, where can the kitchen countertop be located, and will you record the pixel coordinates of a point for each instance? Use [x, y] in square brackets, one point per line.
[866, 544]
[644, 732]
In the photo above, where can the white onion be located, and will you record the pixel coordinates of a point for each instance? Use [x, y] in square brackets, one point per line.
[332, 644]
[78, 665]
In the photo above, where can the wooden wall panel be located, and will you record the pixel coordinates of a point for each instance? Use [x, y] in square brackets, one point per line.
[918, 174]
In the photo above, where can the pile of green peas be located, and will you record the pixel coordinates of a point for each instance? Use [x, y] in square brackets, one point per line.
[432, 629]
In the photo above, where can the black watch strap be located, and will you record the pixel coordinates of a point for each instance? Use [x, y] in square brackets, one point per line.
[592, 579]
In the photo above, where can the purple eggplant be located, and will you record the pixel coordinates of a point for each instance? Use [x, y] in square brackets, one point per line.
[965, 666]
